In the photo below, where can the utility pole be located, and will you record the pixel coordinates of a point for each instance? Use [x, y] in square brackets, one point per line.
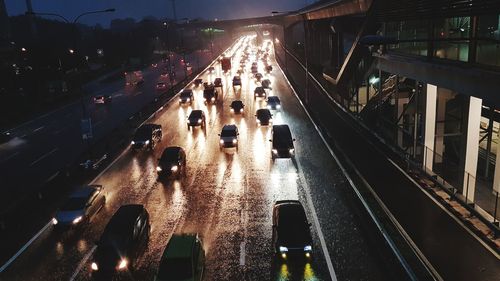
[174, 10]
[31, 15]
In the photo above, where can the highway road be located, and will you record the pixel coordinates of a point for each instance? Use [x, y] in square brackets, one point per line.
[226, 197]
[44, 146]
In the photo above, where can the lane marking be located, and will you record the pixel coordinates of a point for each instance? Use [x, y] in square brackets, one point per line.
[52, 177]
[44, 156]
[38, 129]
[23, 248]
[242, 253]
[82, 263]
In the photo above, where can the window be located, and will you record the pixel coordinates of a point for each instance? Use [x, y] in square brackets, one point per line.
[488, 44]
[447, 30]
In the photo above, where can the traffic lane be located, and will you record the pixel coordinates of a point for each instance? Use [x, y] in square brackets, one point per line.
[353, 256]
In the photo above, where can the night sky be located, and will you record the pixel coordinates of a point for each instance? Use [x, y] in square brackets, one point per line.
[208, 9]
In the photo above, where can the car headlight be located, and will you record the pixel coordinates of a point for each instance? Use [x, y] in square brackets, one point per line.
[213, 99]
[270, 120]
[278, 106]
[308, 248]
[275, 151]
[235, 141]
[241, 109]
[232, 110]
[291, 150]
[54, 221]
[77, 220]
[283, 249]
[147, 142]
[158, 168]
[94, 266]
[199, 121]
[188, 99]
[258, 121]
[132, 143]
[221, 141]
[174, 168]
[123, 264]
[268, 107]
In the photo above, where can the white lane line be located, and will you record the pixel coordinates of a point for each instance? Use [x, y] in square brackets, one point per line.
[52, 177]
[242, 253]
[14, 257]
[38, 129]
[44, 156]
[10, 157]
[82, 263]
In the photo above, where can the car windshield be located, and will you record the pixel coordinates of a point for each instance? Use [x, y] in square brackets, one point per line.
[261, 114]
[273, 99]
[169, 155]
[237, 104]
[228, 133]
[73, 204]
[142, 133]
[195, 114]
[175, 269]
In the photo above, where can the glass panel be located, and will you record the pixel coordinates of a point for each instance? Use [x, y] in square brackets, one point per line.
[448, 29]
[488, 45]
[408, 30]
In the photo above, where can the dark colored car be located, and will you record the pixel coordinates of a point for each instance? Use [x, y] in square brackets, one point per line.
[237, 107]
[282, 142]
[183, 259]
[198, 82]
[81, 206]
[269, 68]
[210, 95]
[186, 96]
[161, 86]
[229, 137]
[148, 135]
[266, 84]
[124, 239]
[236, 81]
[258, 76]
[218, 82]
[102, 99]
[211, 69]
[273, 102]
[196, 118]
[291, 230]
[264, 117]
[259, 92]
[172, 162]
[5, 137]
[253, 69]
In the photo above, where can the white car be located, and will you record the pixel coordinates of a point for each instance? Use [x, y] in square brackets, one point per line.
[80, 207]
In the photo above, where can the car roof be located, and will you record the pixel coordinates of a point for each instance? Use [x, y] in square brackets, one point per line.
[83, 192]
[196, 112]
[172, 149]
[180, 246]
[281, 129]
[236, 102]
[124, 218]
[290, 209]
[262, 110]
[229, 127]
[187, 91]
[273, 98]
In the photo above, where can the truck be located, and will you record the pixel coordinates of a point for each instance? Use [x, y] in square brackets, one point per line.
[133, 77]
[226, 64]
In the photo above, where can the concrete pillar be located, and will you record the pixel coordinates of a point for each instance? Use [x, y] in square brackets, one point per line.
[401, 102]
[472, 148]
[430, 126]
[444, 95]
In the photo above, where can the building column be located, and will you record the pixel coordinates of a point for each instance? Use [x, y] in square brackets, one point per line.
[496, 179]
[472, 148]
[444, 95]
[430, 126]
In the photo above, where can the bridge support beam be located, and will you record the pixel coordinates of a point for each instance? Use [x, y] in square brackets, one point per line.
[430, 126]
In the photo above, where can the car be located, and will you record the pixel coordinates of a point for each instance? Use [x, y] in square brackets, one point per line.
[253, 69]
[218, 82]
[186, 96]
[154, 65]
[266, 84]
[259, 92]
[282, 142]
[237, 107]
[102, 99]
[236, 81]
[182, 259]
[263, 117]
[160, 86]
[196, 118]
[229, 137]
[81, 206]
[211, 69]
[210, 95]
[291, 230]
[268, 68]
[172, 162]
[198, 82]
[124, 239]
[273, 102]
[148, 135]
[257, 76]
